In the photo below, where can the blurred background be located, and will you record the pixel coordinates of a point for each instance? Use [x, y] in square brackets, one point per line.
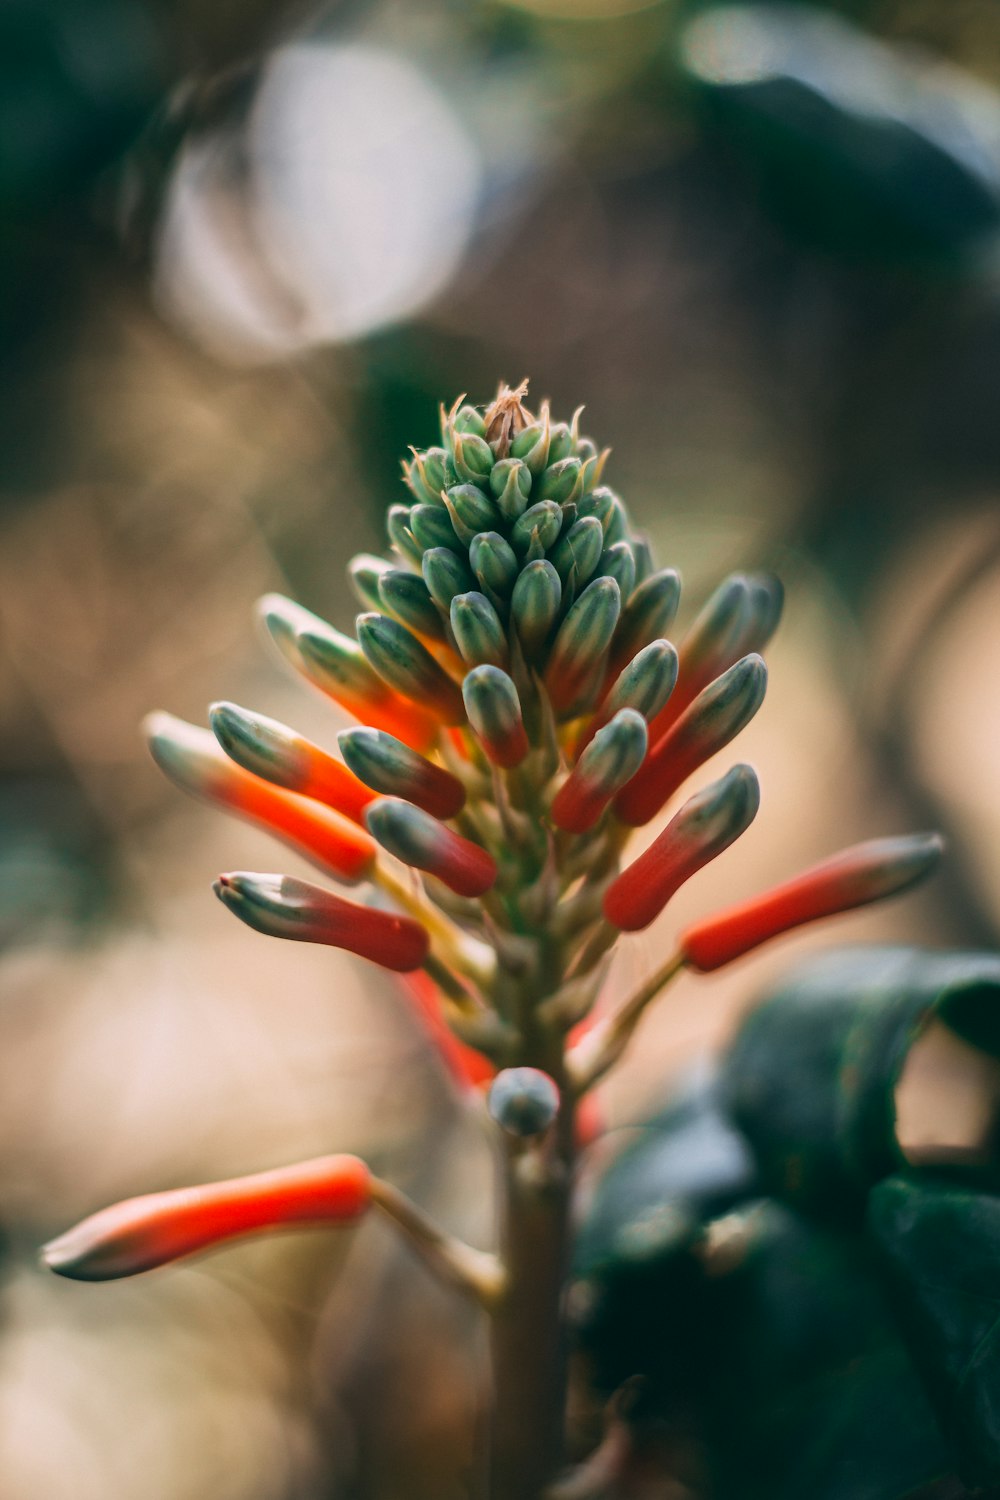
[246, 250]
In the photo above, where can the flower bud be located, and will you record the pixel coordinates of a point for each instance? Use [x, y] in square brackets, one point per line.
[281, 906]
[581, 642]
[562, 442]
[706, 825]
[510, 482]
[427, 475]
[445, 575]
[535, 604]
[421, 841]
[471, 511]
[472, 457]
[494, 711]
[388, 766]
[599, 503]
[195, 762]
[714, 718]
[402, 662]
[561, 481]
[468, 419]
[610, 760]
[645, 684]
[142, 1233]
[283, 757]
[865, 873]
[648, 615]
[532, 443]
[578, 551]
[618, 562]
[478, 632]
[397, 524]
[534, 533]
[364, 571]
[431, 527]
[494, 564]
[405, 596]
[523, 1101]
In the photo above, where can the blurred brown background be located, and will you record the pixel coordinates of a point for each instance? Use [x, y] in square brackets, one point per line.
[247, 249]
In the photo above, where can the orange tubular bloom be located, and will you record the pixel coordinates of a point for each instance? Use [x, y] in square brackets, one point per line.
[287, 759]
[142, 1233]
[194, 761]
[854, 877]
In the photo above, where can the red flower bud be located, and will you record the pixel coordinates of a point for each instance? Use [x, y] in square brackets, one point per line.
[854, 877]
[421, 841]
[150, 1231]
[285, 758]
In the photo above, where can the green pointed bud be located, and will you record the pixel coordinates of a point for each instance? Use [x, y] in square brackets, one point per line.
[405, 596]
[406, 665]
[423, 842]
[767, 596]
[535, 604]
[364, 571]
[472, 457]
[534, 533]
[431, 527]
[585, 448]
[494, 563]
[523, 1101]
[494, 711]
[510, 482]
[445, 574]
[645, 683]
[428, 474]
[335, 662]
[578, 552]
[593, 467]
[645, 563]
[471, 511]
[387, 765]
[532, 444]
[561, 482]
[562, 443]
[583, 638]
[397, 524]
[648, 615]
[599, 503]
[618, 562]
[478, 632]
[616, 527]
[610, 760]
[469, 420]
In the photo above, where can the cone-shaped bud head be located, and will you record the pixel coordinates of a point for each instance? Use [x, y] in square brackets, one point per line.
[855, 877]
[618, 562]
[446, 575]
[611, 759]
[278, 754]
[648, 615]
[579, 647]
[714, 718]
[397, 524]
[494, 710]
[402, 662]
[193, 760]
[494, 563]
[577, 553]
[388, 766]
[701, 830]
[471, 511]
[533, 533]
[364, 572]
[478, 632]
[281, 906]
[561, 482]
[431, 527]
[523, 1101]
[146, 1232]
[511, 484]
[535, 602]
[404, 595]
[421, 841]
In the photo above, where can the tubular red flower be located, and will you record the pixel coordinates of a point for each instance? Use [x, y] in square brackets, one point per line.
[142, 1233]
[854, 877]
[421, 841]
[194, 761]
[287, 759]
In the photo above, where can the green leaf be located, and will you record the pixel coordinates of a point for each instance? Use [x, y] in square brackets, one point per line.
[941, 1248]
[811, 1076]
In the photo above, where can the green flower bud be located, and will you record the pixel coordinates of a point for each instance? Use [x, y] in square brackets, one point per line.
[431, 527]
[599, 503]
[478, 632]
[469, 420]
[471, 511]
[364, 571]
[523, 1101]
[578, 551]
[618, 562]
[510, 482]
[397, 524]
[472, 457]
[534, 533]
[428, 474]
[561, 482]
[494, 711]
[645, 563]
[445, 574]
[405, 596]
[610, 760]
[535, 605]
[387, 765]
[494, 563]
[648, 615]
[562, 443]
[616, 527]
[532, 444]
[593, 466]
[406, 665]
[645, 683]
[583, 638]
